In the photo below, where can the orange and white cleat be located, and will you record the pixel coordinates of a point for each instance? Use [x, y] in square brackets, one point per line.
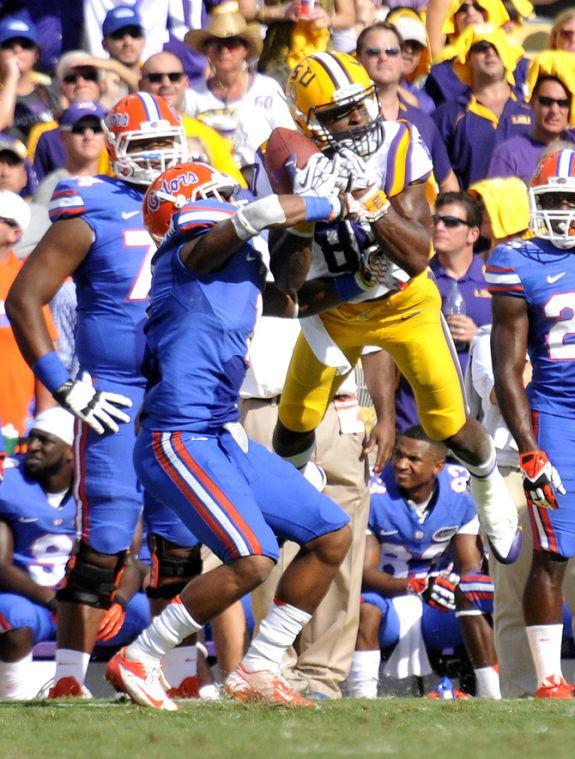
[68, 687]
[555, 687]
[188, 688]
[142, 680]
[263, 686]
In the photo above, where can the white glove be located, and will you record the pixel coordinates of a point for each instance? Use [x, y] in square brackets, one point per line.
[95, 407]
[319, 177]
[354, 169]
[370, 207]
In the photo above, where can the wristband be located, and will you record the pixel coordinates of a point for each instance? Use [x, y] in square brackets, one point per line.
[318, 209]
[121, 601]
[347, 287]
[51, 372]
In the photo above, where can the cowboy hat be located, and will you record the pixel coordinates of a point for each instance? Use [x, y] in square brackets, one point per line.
[224, 25]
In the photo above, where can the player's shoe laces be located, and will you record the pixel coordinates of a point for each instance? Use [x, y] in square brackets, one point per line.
[68, 687]
[143, 680]
[555, 687]
[188, 688]
[498, 517]
[262, 686]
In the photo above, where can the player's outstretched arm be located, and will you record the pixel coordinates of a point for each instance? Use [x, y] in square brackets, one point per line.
[16, 580]
[57, 256]
[212, 250]
[508, 350]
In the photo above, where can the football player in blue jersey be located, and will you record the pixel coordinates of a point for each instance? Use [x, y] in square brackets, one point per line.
[533, 287]
[37, 533]
[422, 522]
[193, 454]
[97, 237]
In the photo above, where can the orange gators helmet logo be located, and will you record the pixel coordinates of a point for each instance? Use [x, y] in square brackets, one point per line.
[552, 199]
[144, 137]
[178, 186]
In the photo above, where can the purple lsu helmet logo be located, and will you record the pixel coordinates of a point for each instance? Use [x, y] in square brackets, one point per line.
[172, 186]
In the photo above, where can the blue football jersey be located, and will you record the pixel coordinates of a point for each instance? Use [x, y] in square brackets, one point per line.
[199, 329]
[410, 548]
[113, 281]
[544, 276]
[43, 535]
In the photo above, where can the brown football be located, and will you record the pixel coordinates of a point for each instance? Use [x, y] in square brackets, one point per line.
[283, 143]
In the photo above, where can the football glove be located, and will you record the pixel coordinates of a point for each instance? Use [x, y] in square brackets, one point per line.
[437, 589]
[370, 207]
[376, 268]
[97, 408]
[541, 481]
[112, 620]
[319, 177]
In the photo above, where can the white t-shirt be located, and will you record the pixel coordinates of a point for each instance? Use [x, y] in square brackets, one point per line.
[247, 122]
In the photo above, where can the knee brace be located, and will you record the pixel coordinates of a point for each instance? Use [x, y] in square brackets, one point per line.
[478, 590]
[166, 565]
[89, 584]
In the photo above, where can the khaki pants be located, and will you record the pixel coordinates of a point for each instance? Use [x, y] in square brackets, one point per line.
[516, 670]
[327, 643]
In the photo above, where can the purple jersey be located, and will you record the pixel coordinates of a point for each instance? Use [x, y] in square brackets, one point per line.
[410, 548]
[198, 330]
[43, 535]
[544, 276]
[113, 281]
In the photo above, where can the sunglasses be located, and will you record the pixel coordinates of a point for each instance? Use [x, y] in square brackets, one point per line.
[464, 7]
[375, 52]
[548, 102]
[132, 31]
[88, 75]
[10, 222]
[232, 42]
[566, 34]
[82, 128]
[23, 42]
[449, 221]
[481, 47]
[157, 77]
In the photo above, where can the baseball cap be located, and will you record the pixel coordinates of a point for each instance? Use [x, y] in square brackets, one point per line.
[81, 109]
[14, 208]
[411, 29]
[56, 421]
[12, 27]
[14, 146]
[120, 17]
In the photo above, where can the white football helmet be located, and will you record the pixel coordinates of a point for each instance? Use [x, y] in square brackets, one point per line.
[552, 199]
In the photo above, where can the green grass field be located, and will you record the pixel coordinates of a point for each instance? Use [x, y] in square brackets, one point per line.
[398, 727]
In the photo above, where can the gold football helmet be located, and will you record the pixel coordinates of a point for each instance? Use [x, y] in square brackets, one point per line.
[326, 85]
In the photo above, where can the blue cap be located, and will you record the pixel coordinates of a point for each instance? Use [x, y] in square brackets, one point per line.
[120, 17]
[13, 26]
[81, 109]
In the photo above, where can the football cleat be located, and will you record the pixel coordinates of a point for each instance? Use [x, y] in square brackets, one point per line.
[262, 686]
[445, 691]
[142, 680]
[555, 687]
[68, 687]
[497, 516]
[188, 688]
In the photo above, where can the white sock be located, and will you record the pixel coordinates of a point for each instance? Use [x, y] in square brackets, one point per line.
[363, 676]
[14, 678]
[179, 663]
[167, 630]
[487, 681]
[278, 631]
[70, 663]
[545, 645]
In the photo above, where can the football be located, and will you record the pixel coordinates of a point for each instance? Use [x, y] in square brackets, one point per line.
[281, 144]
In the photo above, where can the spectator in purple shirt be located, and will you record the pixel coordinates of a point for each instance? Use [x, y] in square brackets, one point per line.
[456, 224]
[379, 50]
[472, 131]
[551, 104]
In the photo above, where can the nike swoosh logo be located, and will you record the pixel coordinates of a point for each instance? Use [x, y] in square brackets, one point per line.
[28, 520]
[129, 214]
[552, 278]
[251, 256]
[388, 532]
